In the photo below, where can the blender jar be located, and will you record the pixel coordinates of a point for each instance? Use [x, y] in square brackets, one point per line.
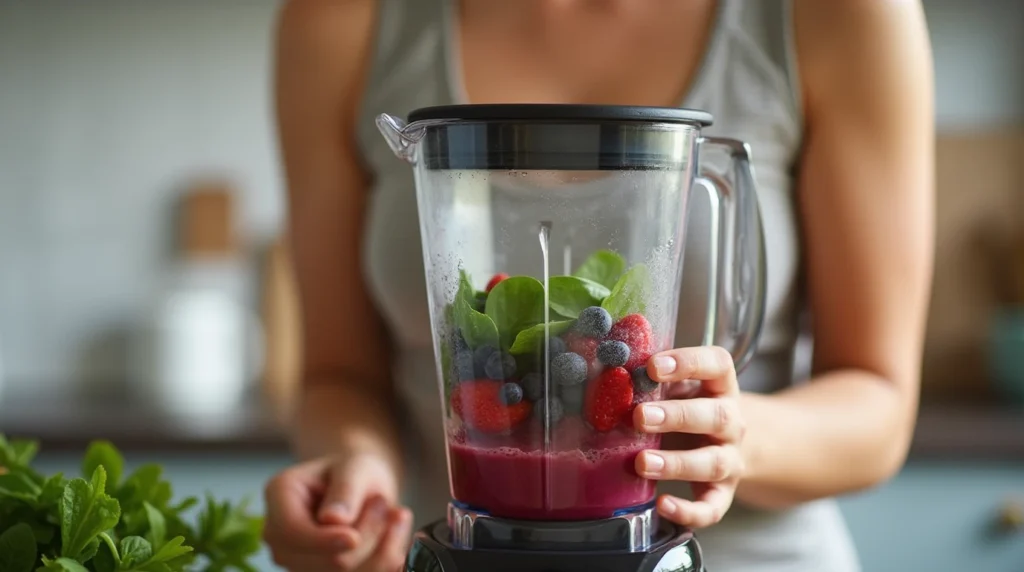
[553, 247]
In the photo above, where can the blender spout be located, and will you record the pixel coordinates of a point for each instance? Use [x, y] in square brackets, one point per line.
[401, 138]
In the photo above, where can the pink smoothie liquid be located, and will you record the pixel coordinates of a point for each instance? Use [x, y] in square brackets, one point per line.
[591, 480]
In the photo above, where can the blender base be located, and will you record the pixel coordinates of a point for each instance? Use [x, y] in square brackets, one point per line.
[671, 549]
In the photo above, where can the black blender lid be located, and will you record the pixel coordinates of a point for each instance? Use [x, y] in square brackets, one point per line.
[560, 112]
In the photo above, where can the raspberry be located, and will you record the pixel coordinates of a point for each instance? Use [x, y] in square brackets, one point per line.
[480, 405]
[608, 399]
[635, 331]
[494, 281]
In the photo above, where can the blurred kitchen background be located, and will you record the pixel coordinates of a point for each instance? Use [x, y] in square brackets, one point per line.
[145, 298]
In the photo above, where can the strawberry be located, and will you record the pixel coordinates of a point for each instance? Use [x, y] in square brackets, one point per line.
[608, 399]
[494, 281]
[479, 404]
[584, 346]
[635, 331]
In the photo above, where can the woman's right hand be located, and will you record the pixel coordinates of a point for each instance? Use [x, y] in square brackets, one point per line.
[337, 514]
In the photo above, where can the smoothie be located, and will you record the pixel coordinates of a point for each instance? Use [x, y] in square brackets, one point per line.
[541, 380]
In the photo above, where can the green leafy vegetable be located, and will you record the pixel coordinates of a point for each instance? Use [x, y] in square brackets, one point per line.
[86, 511]
[570, 295]
[532, 338]
[514, 305]
[603, 266]
[18, 549]
[477, 328]
[103, 453]
[629, 294]
[103, 525]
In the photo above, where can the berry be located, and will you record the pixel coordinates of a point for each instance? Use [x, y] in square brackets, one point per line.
[480, 357]
[479, 404]
[586, 347]
[533, 386]
[594, 322]
[642, 382]
[511, 393]
[608, 398]
[554, 409]
[568, 369]
[500, 365]
[494, 281]
[635, 331]
[613, 353]
[572, 399]
[556, 346]
[465, 367]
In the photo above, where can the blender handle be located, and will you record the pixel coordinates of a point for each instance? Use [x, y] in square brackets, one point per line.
[737, 282]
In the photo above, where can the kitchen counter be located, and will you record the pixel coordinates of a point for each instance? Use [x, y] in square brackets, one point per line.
[950, 431]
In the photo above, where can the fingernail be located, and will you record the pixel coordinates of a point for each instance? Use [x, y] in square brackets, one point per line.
[664, 365]
[337, 510]
[652, 415]
[668, 507]
[653, 462]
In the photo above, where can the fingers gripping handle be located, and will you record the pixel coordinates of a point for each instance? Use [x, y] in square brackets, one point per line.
[737, 282]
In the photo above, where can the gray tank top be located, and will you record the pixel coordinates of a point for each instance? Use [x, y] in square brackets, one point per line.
[749, 82]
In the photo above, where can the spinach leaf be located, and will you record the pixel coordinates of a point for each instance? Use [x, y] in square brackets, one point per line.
[532, 338]
[603, 266]
[477, 328]
[18, 549]
[629, 296]
[62, 565]
[570, 295]
[514, 305]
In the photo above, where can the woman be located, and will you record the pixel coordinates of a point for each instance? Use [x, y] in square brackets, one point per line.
[836, 100]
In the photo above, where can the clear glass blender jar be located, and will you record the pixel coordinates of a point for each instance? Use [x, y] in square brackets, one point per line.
[553, 240]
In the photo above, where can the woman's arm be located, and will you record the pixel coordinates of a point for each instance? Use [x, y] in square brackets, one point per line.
[347, 398]
[866, 200]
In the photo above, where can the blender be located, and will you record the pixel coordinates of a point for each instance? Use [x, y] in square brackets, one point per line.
[553, 242]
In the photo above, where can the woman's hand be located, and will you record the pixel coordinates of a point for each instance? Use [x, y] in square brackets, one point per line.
[337, 514]
[703, 403]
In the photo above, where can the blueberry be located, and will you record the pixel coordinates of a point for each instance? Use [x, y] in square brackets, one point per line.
[500, 365]
[556, 346]
[594, 322]
[459, 342]
[533, 386]
[613, 353]
[642, 383]
[568, 369]
[465, 367]
[480, 357]
[511, 393]
[572, 399]
[554, 410]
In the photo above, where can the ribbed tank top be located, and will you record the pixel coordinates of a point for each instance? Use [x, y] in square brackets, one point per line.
[749, 81]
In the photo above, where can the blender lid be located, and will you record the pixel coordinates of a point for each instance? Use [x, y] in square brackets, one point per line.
[560, 112]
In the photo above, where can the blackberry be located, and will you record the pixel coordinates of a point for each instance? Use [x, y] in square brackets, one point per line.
[613, 353]
[594, 322]
[568, 369]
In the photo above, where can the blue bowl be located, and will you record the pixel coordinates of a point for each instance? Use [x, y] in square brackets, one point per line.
[1006, 353]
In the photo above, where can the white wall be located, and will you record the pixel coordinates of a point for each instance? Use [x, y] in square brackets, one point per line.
[107, 106]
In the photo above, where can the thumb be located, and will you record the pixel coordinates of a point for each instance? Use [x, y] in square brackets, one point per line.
[349, 484]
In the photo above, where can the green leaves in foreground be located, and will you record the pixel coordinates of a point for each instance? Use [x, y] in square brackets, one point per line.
[105, 525]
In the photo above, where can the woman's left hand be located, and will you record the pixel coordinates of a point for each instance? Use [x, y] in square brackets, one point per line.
[715, 467]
